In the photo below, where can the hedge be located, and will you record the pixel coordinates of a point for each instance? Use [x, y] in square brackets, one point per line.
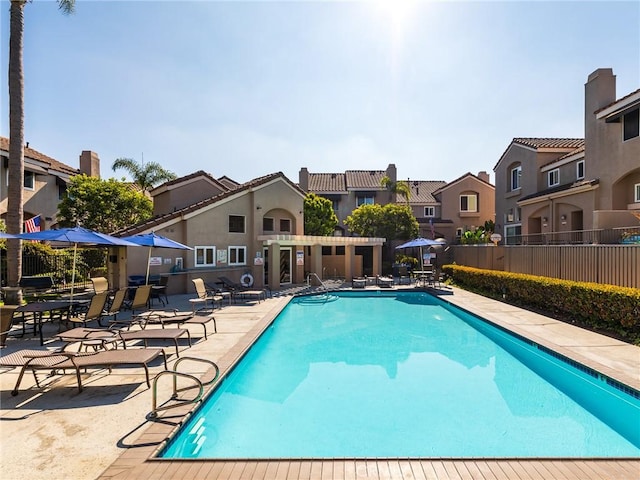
[604, 308]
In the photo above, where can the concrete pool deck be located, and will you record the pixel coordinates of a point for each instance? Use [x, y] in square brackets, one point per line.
[55, 432]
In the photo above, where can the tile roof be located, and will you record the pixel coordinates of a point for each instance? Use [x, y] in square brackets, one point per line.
[30, 153]
[620, 100]
[152, 222]
[422, 191]
[550, 142]
[228, 182]
[560, 188]
[364, 179]
[566, 155]
[327, 182]
[199, 173]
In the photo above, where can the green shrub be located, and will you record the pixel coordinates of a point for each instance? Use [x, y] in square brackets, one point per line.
[604, 308]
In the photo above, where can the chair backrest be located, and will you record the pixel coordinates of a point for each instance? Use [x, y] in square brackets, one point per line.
[96, 307]
[201, 289]
[164, 280]
[100, 284]
[118, 300]
[141, 298]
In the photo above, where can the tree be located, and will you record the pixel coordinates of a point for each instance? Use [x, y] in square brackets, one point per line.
[319, 217]
[15, 196]
[391, 221]
[397, 188]
[102, 205]
[145, 175]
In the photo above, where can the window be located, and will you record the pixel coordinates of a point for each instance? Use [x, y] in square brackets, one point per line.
[340, 250]
[516, 174]
[326, 250]
[237, 255]
[459, 232]
[365, 199]
[429, 211]
[285, 225]
[636, 188]
[205, 256]
[580, 169]
[267, 224]
[553, 178]
[236, 223]
[631, 125]
[469, 203]
[335, 204]
[513, 234]
[29, 180]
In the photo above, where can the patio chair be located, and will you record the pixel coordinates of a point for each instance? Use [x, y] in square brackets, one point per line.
[100, 284]
[117, 304]
[58, 361]
[205, 296]
[159, 290]
[140, 299]
[94, 311]
[384, 281]
[230, 284]
[173, 317]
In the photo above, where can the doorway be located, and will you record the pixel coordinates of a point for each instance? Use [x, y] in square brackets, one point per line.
[285, 266]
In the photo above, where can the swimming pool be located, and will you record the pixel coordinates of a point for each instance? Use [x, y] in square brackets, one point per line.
[403, 374]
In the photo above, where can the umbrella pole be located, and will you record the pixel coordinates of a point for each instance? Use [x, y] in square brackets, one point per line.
[148, 262]
[73, 272]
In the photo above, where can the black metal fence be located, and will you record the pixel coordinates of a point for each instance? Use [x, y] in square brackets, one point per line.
[609, 236]
[60, 266]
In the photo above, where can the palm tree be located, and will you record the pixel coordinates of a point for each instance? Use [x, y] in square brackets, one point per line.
[16, 140]
[145, 175]
[401, 187]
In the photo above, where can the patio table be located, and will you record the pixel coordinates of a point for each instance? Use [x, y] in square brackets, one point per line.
[40, 308]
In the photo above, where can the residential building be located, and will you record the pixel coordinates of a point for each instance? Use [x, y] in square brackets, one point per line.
[466, 203]
[551, 185]
[443, 210]
[235, 232]
[45, 181]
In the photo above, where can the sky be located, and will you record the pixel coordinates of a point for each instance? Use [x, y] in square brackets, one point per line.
[249, 88]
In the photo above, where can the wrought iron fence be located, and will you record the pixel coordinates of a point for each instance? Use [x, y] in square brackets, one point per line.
[89, 262]
[609, 236]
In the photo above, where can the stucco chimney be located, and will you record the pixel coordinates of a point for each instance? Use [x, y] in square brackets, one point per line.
[303, 179]
[90, 163]
[484, 176]
[392, 173]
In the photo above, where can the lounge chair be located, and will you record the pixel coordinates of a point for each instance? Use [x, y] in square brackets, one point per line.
[100, 339]
[94, 311]
[57, 361]
[384, 281]
[230, 284]
[173, 317]
[205, 296]
[358, 282]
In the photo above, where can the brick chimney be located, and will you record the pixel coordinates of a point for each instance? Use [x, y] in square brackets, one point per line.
[90, 163]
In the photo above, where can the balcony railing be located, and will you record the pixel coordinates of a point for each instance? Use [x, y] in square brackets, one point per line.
[610, 236]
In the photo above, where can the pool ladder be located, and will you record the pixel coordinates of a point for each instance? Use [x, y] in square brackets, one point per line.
[313, 274]
[175, 374]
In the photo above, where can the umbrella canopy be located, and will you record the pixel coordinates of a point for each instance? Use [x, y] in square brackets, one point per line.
[152, 240]
[76, 236]
[420, 242]
[7, 235]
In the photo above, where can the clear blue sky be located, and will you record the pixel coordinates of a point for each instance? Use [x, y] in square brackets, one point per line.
[247, 88]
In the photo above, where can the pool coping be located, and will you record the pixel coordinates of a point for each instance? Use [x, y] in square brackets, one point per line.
[140, 461]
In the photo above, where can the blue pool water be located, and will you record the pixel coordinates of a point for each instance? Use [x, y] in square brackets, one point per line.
[403, 374]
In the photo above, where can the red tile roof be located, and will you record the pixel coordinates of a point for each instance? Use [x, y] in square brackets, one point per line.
[327, 182]
[422, 191]
[199, 173]
[550, 142]
[364, 179]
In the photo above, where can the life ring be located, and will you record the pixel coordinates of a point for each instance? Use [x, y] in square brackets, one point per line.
[246, 280]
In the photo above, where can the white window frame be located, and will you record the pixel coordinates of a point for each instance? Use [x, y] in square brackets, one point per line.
[636, 189]
[515, 181]
[367, 199]
[553, 177]
[580, 166]
[205, 248]
[236, 249]
[475, 202]
[430, 212]
[29, 180]
[459, 232]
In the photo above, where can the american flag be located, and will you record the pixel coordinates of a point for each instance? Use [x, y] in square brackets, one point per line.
[32, 225]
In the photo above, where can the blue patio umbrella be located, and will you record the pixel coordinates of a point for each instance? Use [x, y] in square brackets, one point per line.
[76, 236]
[152, 240]
[420, 242]
[7, 235]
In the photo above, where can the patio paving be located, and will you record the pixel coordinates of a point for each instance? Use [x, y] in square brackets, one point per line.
[57, 433]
